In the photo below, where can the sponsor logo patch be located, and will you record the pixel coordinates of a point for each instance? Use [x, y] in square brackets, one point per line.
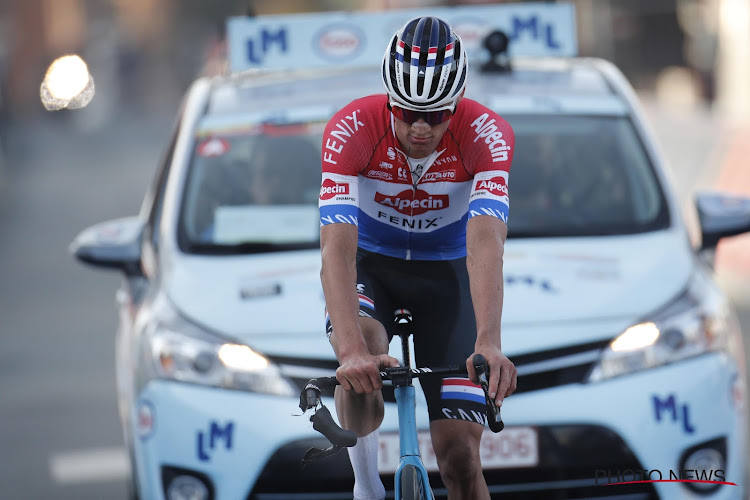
[379, 174]
[329, 189]
[496, 186]
[444, 175]
[413, 203]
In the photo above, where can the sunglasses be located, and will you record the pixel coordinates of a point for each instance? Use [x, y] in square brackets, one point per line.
[410, 116]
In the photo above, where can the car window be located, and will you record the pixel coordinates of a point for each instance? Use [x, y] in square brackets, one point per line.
[579, 176]
[253, 190]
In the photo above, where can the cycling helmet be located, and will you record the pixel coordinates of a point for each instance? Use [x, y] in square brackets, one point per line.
[424, 66]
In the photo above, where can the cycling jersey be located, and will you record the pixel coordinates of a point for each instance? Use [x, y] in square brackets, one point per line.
[367, 180]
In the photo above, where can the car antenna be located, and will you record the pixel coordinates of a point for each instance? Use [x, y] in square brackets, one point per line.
[496, 43]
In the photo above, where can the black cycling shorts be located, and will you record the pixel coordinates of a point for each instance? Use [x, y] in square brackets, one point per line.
[444, 327]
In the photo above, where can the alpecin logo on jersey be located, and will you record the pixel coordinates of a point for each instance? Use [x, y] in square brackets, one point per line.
[496, 186]
[413, 203]
[488, 131]
[329, 189]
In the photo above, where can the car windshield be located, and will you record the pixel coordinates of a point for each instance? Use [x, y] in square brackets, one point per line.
[581, 176]
[253, 189]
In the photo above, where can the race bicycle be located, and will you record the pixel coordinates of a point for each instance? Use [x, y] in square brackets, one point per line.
[411, 481]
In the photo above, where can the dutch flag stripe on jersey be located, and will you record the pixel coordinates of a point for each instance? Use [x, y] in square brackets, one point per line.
[366, 301]
[461, 388]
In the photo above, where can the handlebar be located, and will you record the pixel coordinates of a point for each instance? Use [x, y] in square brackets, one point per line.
[323, 422]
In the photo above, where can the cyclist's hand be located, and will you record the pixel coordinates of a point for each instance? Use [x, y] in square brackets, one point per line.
[502, 380]
[361, 373]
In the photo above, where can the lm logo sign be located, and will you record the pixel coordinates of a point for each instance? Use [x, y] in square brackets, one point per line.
[257, 48]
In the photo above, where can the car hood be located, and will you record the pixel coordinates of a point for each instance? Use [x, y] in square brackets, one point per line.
[557, 292]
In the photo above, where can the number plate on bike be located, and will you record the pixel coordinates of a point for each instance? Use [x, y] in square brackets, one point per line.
[513, 447]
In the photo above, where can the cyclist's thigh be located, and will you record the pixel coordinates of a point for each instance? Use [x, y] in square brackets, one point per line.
[445, 334]
[375, 307]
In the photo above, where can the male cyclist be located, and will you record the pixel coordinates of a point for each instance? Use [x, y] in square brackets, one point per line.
[413, 205]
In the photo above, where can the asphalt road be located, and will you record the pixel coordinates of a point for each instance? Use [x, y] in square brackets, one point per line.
[57, 318]
[59, 434]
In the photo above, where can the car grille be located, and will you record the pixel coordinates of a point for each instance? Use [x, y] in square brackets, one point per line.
[569, 456]
[536, 371]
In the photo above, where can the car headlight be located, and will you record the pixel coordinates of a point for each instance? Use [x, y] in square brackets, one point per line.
[177, 349]
[695, 323]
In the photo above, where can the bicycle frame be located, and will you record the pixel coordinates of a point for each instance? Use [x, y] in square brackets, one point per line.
[408, 442]
[404, 390]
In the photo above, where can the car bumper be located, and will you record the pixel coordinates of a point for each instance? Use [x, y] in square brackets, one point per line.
[249, 446]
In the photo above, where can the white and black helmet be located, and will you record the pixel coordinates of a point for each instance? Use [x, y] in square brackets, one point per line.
[424, 66]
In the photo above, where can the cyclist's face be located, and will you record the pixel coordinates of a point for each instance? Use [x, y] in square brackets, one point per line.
[419, 139]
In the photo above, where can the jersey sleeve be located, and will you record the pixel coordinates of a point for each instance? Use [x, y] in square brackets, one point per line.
[488, 147]
[344, 156]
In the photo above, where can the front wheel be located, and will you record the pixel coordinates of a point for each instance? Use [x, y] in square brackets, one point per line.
[411, 484]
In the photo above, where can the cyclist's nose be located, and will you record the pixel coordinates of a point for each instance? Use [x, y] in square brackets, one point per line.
[420, 126]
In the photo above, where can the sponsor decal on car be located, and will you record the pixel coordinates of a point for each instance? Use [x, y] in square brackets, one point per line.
[211, 440]
[339, 41]
[213, 147]
[145, 419]
[669, 409]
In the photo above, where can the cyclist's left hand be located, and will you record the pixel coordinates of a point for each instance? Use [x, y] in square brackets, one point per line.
[503, 375]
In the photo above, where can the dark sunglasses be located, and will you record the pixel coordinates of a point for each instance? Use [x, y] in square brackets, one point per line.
[410, 116]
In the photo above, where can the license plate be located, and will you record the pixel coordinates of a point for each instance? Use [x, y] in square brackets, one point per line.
[511, 448]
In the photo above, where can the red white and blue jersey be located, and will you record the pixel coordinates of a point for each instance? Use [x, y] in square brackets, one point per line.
[367, 180]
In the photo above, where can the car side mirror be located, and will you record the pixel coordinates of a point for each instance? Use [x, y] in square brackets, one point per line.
[114, 244]
[721, 215]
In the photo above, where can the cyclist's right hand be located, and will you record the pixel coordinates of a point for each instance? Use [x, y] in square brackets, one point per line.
[361, 372]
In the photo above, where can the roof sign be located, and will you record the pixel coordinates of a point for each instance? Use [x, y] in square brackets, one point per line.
[330, 39]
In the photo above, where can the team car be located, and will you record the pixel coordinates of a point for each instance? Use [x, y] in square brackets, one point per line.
[631, 372]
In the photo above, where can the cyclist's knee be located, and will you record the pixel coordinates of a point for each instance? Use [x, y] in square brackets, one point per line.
[456, 446]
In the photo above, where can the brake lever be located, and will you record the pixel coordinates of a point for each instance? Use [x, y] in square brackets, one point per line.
[314, 454]
[494, 418]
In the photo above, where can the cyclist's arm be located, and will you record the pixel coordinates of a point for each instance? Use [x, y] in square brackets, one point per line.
[485, 240]
[359, 369]
[338, 243]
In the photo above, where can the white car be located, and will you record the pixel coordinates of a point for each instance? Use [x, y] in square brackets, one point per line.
[631, 380]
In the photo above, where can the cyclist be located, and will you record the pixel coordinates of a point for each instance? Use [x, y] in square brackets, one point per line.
[414, 205]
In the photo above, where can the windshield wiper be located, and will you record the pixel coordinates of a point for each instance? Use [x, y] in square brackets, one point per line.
[249, 248]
